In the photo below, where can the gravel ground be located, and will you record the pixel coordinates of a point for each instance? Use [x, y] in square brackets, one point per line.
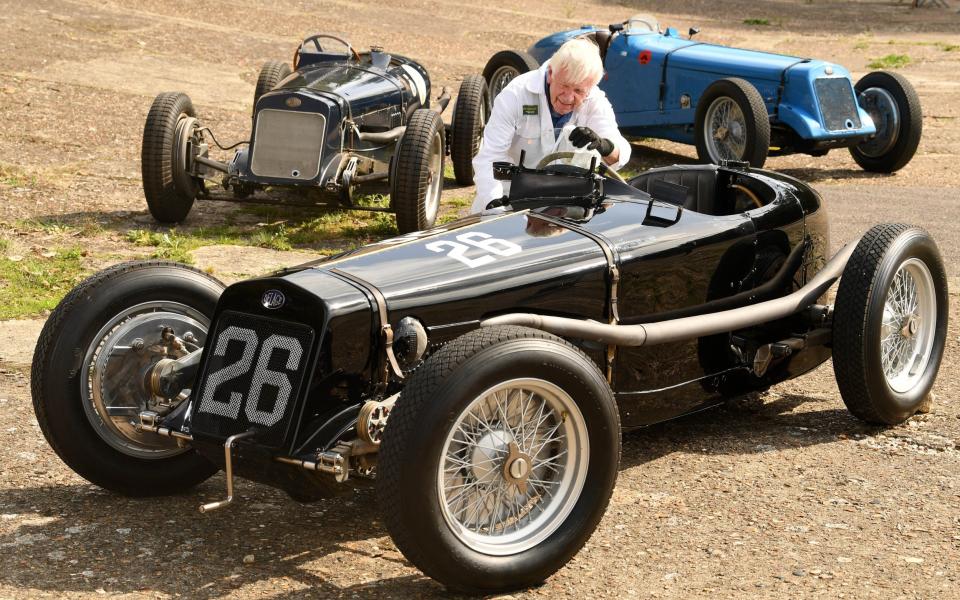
[797, 499]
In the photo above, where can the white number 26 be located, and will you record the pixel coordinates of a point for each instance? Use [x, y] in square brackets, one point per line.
[475, 239]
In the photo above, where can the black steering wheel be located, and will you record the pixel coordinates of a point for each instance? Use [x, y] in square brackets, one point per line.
[604, 169]
[315, 38]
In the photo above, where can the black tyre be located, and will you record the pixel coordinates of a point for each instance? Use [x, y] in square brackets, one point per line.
[469, 116]
[890, 323]
[167, 185]
[732, 123]
[504, 66]
[499, 459]
[271, 73]
[418, 173]
[894, 106]
[89, 368]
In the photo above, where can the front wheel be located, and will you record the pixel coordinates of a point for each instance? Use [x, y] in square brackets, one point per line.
[894, 106]
[170, 136]
[90, 368]
[890, 323]
[732, 123]
[499, 459]
[469, 116]
[418, 172]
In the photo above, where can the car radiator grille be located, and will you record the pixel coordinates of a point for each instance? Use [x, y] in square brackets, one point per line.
[254, 374]
[837, 104]
[287, 144]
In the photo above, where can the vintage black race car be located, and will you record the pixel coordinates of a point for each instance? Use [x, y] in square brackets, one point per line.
[482, 372]
[339, 124]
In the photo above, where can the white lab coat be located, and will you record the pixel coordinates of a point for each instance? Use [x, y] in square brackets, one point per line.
[515, 126]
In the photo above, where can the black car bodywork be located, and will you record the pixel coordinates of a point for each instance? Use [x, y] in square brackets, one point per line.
[481, 371]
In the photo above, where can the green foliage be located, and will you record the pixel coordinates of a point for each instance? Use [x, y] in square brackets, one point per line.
[756, 21]
[32, 284]
[14, 177]
[948, 47]
[890, 61]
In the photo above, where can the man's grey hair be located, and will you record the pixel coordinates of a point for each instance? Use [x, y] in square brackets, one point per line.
[579, 61]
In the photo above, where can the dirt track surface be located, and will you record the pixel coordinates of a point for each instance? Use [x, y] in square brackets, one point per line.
[799, 499]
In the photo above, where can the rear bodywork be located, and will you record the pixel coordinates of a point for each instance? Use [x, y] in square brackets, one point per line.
[342, 323]
[654, 81]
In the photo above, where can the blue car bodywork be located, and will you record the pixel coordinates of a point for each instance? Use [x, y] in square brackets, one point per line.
[653, 81]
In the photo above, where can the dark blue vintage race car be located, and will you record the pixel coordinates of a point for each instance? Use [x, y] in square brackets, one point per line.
[481, 372]
[342, 122]
[738, 104]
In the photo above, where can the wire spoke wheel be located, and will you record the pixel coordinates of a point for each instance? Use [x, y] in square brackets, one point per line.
[908, 325]
[726, 135]
[514, 464]
[498, 459]
[890, 323]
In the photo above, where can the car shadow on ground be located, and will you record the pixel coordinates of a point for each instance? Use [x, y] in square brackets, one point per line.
[785, 423]
[79, 538]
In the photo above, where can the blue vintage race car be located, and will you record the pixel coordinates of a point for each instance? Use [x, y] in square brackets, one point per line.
[737, 104]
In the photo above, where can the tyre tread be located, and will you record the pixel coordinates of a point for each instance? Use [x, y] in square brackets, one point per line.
[411, 181]
[167, 204]
[403, 425]
[850, 319]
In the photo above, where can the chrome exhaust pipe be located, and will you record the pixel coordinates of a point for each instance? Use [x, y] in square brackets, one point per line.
[687, 327]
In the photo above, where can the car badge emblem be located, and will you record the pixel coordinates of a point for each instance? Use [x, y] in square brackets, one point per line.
[273, 299]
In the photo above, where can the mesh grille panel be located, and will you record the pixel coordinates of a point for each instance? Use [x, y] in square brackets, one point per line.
[253, 377]
[287, 144]
[837, 104]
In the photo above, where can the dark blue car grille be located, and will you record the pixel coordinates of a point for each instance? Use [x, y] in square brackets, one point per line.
[837, 104]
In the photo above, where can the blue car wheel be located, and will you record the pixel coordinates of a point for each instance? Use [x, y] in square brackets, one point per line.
[894, 106]
[732, 123]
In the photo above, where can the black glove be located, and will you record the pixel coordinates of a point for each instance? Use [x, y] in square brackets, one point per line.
[584, 136]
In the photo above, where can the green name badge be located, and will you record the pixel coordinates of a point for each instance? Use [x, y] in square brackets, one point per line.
[530, 109]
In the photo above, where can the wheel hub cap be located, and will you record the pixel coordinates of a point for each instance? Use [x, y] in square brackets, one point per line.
[908, 328]
[513, 465]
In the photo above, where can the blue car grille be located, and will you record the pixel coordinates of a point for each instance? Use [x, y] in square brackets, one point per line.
[838, 106]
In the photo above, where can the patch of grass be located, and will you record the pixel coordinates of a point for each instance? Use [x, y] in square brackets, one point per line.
[756, 21]
[355, 225]
[458, 202]
[4, 244]
[53, 226]
[861, 44]
[13, 177]
[33, 284]
[890, 61]
[947, 47]
[169, 246]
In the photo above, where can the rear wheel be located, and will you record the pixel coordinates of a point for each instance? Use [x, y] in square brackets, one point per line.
[499, 459]
[90, 366]
[894, 106]
[890, 323]
[732, 123]
[504, 66]
[469, 116]
[418, 172]
[271, 73]
[169, 137]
